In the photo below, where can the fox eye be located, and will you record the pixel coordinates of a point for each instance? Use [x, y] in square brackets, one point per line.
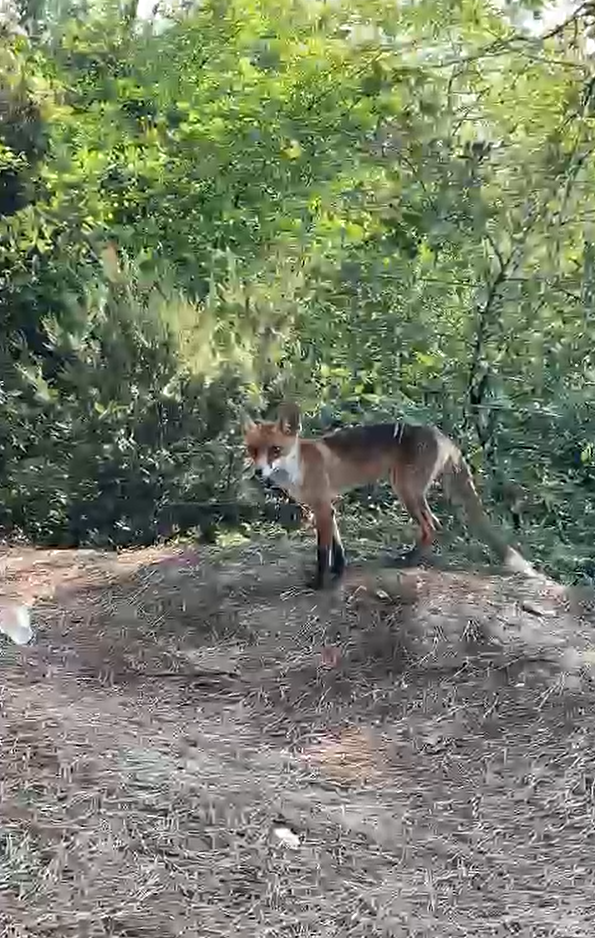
[274, 452]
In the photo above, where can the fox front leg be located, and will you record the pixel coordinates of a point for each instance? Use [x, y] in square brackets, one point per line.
[330, 556]
[323, 515]
[338, 558]
[323, 562]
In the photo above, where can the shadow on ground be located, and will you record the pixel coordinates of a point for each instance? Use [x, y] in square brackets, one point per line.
[179, 760]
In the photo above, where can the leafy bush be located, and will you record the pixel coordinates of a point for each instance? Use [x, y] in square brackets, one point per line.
[220, 208]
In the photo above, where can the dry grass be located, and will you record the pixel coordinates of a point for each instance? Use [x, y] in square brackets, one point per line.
[177, 716]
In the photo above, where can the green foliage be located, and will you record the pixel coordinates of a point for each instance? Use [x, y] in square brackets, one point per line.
[380, 209]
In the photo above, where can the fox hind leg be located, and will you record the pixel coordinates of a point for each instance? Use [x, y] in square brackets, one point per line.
[431, 523]
[411, 493]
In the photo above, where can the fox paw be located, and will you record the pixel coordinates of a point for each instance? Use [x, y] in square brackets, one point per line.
[325, 581]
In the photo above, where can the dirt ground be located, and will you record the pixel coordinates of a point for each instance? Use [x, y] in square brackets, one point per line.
[184, 755]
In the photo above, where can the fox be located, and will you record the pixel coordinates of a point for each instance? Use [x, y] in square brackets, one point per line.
[315, 472]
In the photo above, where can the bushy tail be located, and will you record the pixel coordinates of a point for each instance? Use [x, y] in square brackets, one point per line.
[460, 489]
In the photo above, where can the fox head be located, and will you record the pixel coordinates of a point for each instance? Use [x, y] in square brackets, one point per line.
[270, 444]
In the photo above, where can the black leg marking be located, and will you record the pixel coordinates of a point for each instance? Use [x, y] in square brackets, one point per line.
[338, 559]
[323, 556]
[338, 564]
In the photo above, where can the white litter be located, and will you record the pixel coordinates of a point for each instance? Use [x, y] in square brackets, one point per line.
[15, 621]
[287, 837]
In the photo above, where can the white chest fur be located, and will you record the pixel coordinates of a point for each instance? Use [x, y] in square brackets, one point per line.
[286, 471]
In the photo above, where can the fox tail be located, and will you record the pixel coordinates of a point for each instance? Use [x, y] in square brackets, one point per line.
[459, 488]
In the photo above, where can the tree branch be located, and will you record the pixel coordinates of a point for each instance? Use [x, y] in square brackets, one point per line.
[503, 264]
[503, 46]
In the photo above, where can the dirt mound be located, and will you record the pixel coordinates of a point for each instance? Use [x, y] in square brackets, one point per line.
[182, 756]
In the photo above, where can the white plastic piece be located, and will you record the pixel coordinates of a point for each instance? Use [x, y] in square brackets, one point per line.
[15, 621]
[517, 564]
[287, 837]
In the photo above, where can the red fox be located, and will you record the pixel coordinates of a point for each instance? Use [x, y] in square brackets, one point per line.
[316, 472]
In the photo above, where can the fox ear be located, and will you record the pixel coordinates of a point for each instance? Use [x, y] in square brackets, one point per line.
[247, 423]
[289, 420]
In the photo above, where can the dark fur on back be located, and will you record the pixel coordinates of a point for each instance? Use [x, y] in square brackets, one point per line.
[359, 442]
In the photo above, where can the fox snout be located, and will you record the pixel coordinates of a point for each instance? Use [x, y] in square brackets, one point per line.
[252, 470]
[257, 473]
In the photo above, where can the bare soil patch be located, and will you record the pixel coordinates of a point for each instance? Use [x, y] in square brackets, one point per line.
[181, 756]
